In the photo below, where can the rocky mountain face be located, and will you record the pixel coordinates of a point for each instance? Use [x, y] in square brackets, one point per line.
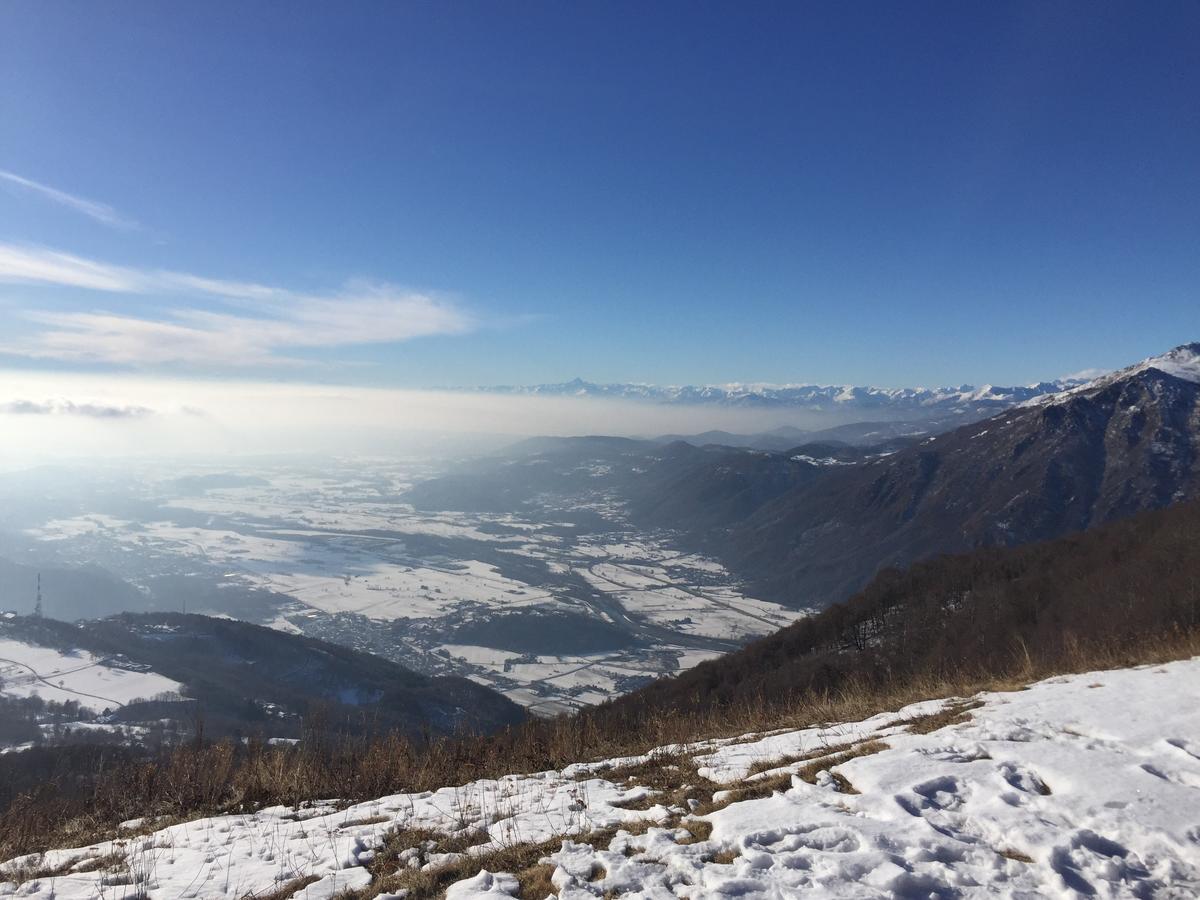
[1127, 442]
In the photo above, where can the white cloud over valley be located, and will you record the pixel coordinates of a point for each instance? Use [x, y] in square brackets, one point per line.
[198, 416]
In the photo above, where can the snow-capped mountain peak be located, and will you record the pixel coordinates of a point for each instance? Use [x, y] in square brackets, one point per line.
[1182, 362]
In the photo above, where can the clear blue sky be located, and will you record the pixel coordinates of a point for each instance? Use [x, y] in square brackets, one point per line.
[887, 193]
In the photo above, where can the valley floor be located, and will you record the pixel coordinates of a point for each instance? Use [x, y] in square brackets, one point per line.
[1084, 785]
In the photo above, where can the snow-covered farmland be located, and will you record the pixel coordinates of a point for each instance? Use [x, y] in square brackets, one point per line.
[387, 591]
[27, 670]
[1079, 786]
[669, 599]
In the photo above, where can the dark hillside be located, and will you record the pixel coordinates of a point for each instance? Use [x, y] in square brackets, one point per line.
[700, 489]
[986, 612]
[234, 669]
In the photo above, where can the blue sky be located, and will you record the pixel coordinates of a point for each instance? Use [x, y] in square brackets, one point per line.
[419, 194]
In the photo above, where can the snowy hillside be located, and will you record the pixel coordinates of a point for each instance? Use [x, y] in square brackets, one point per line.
[1081, 785]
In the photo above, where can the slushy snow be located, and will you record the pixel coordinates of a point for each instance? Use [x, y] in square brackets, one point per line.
[1087, 785]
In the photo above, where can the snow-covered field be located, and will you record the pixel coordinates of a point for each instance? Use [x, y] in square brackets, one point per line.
[26, 670]
[330, 543]
[683, 593]
[1079, 786]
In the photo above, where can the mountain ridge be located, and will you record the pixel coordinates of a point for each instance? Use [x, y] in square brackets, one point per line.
[811, 397]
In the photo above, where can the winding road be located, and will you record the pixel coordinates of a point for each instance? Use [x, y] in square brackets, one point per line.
[40, 677]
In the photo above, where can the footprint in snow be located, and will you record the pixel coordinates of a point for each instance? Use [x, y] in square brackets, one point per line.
[824, 838]
[954, 754]
[1186, 779]
[1088, 858]
[937, 802]
[1185, 747]
[942, 793]
[1023, 779]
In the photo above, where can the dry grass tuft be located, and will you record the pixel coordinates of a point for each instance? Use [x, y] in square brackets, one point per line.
[32, 869]
[842, 783]
[766, 765]
[810, 772]
[285, 891]
[535, 883]
[750, 790]
[371, 820]
[418, 843]
[112, 862]
[698, 830]
[953, 714]
[1015, 855]
[523, 860]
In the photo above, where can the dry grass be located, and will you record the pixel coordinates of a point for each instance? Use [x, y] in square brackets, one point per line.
[672, 780]
[1015, 855]
[285, 890]
[33, 869]
[810, 772]
[819, 760]
[698, 830]
[751, 790]
[372, 820]
[766, 765]
[954, 713]
[523, 860]
[113, 861]
[662, 770]
[401, 844]
[535, 882]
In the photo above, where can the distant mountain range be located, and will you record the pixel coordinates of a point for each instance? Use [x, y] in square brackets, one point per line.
[868, 402]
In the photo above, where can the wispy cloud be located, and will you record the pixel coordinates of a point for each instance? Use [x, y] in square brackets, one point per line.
[225, 339]
[100, 212]
[277, 320]
[70, 408]
[27, 264]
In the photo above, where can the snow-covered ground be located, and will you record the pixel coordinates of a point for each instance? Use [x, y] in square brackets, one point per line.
[26, 670]
[1085, 785]
[326, 544]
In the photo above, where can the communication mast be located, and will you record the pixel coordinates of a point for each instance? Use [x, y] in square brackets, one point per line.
[37, 607]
